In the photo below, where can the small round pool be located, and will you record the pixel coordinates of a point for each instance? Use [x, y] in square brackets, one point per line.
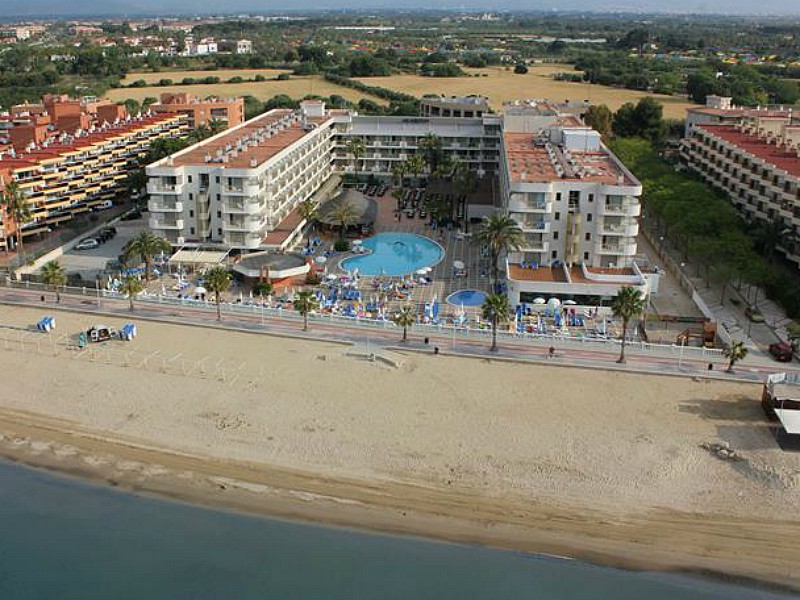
[466, 298]
[394, 254]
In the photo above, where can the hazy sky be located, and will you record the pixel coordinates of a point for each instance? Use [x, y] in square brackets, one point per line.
[122, 7]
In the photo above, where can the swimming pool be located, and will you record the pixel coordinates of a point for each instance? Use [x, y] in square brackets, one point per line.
[466, 298]
[395, 254]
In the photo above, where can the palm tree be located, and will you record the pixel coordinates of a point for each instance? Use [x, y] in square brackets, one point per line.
[216, 126]
[501, 234]
[217, 281]
[145, 246]
[356, 147]
[628, 304]
[496, 309]
[307, 210]
[414, 165]
[399, 171]
[734, 353]
[131, 287]
[16, 206]
[466, 182]
[345, 215]
[405, 318]
[54, 274]
[431, 145]
[305, 302]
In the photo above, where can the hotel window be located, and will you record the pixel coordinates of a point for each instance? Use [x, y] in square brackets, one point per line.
[191, 196]
[588, 237]
[216, 179]
[219, 214]
[191, 230]
[558, 216]
[555, 235]
[585, 256]
[591, 197]
[558, 196]
[554, 254]
[190, 179]
[589, 217]
[191, 213]
[219, 230]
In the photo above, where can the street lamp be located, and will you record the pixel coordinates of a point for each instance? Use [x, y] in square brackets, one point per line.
[97, 287]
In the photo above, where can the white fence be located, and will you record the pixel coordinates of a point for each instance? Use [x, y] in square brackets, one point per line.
[443, 333]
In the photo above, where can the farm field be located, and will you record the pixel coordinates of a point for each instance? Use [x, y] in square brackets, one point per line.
[500, 85]
[177, 76]
[296, 87]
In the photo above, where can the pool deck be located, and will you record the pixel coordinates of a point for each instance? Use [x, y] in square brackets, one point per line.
[456, 247]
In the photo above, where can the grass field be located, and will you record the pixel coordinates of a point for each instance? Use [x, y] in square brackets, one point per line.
[501, 85]
[223, 74]
[296, 87]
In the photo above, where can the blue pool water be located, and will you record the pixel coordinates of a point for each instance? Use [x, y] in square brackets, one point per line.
[395, 254]
[466, 298]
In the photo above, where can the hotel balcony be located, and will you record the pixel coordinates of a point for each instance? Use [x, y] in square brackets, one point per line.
[239, 207]
[155, 206]
[246, 225]
[523, 205]
[624, 230]
[160, 188]
[625, 209]
[615, 249]
[533, 226]
[156, 223]
[531, 247]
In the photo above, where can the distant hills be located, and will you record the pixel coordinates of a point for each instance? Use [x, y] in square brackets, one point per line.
[10, 8]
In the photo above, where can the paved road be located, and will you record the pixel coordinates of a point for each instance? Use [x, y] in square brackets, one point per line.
[375, 339]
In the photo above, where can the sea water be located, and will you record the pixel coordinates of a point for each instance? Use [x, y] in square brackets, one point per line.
[63, 539]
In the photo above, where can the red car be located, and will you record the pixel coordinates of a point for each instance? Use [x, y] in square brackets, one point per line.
[782, 351]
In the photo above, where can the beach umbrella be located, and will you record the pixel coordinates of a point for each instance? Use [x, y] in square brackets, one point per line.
[539, 301]
[320, 260]
[554, 302]
[421, 271]
[331, 276]
[457, 264]
[570, 302]
[200, 290]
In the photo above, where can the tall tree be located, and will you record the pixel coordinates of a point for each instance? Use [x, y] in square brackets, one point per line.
[131, 287]
[628, 304]
[357, 148]
[734, 353]
[17, 208]
[405, 318]
[218, 281]
[345, 215]
[145, 246]
[414, 165]
[431, 145]
[501, 234]
[304, 303]
[496, 309]
[53, 274]
[599, 117]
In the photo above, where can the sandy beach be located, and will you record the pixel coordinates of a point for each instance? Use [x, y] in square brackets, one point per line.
[608, 467]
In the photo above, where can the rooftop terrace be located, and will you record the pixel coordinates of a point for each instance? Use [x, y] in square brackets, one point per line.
[756, 146]
[250, 144]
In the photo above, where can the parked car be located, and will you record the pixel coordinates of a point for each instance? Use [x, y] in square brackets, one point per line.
[104, 205]
[131, 216]
[106, 233]
[782, 351]
[755, 315]
[87, 244]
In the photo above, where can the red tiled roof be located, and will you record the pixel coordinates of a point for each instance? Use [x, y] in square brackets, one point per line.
[770, 153]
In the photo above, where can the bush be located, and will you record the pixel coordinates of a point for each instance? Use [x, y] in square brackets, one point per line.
[163, 82]
[262, 288]
[259, 78]
[283, 77]
[341, 245]
[521, 69]
[139, 83]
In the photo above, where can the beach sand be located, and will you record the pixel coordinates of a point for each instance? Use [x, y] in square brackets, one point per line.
[601, 466]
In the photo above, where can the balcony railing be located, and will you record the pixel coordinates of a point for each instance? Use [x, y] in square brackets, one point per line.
[165, 206]
[162, 224]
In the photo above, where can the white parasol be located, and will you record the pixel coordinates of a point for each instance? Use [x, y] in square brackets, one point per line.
[539, 301]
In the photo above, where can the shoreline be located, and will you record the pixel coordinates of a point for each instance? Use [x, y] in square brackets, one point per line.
[583, 533]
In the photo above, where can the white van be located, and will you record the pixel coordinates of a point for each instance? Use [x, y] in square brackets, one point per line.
[104, 205]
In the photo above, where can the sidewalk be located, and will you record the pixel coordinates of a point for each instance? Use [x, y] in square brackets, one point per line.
[729, 316]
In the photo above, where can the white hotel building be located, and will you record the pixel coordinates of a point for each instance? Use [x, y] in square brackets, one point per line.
[575, 202]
